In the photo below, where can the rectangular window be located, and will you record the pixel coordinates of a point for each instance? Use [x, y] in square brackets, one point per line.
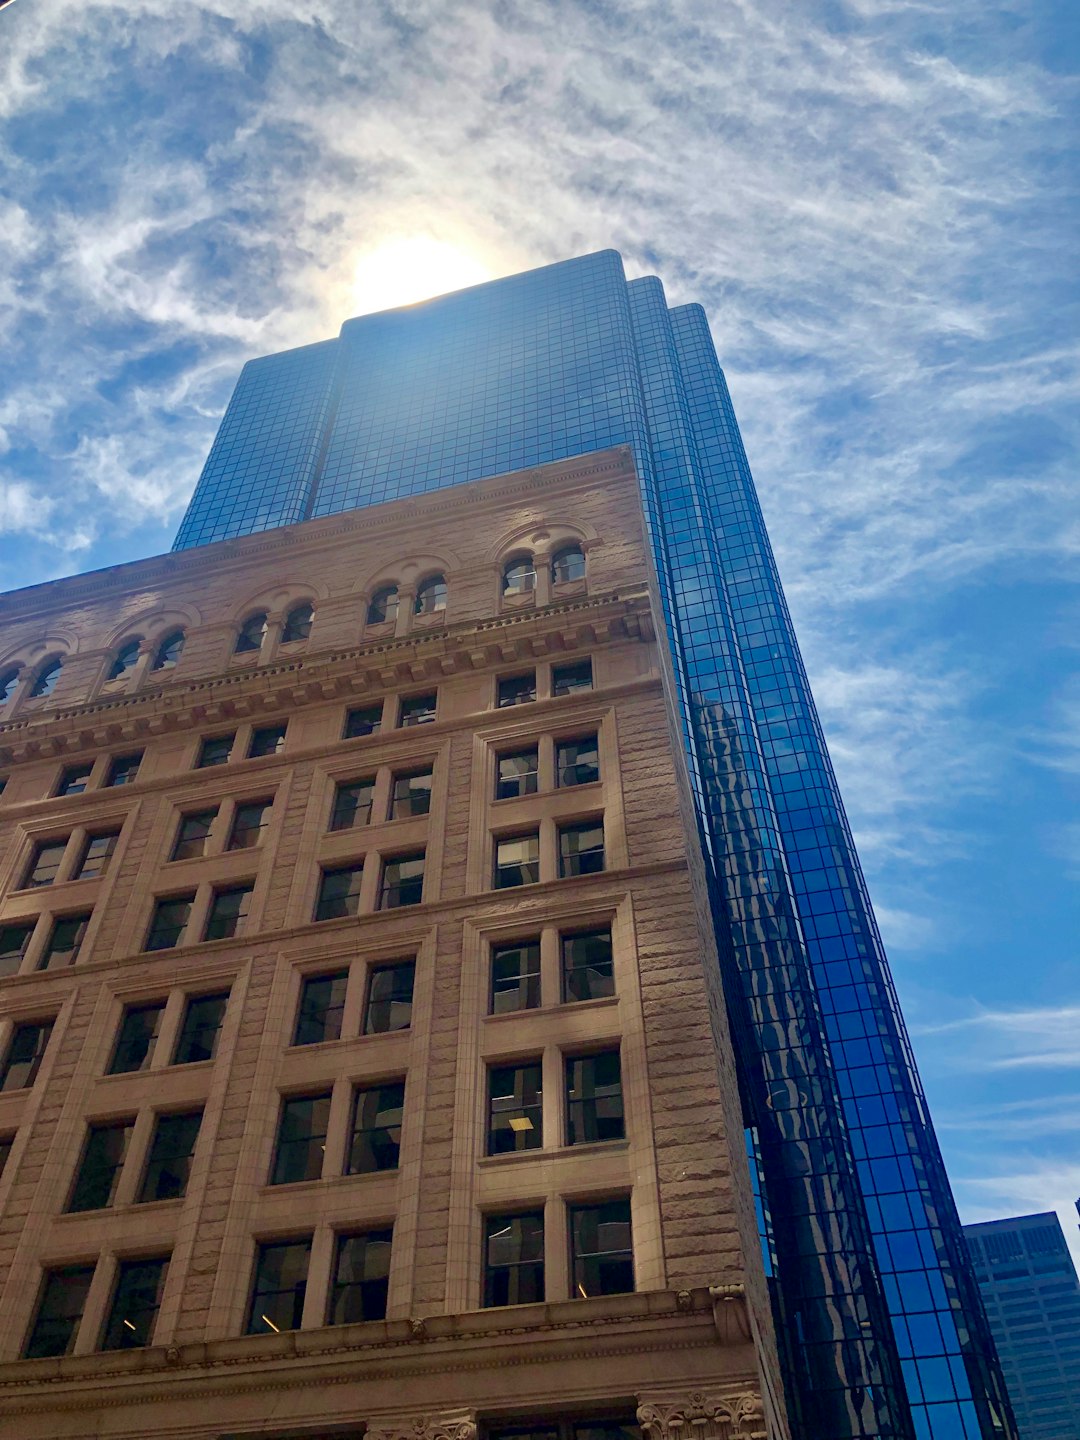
[361, 1277]
[60, 1309]
[199, 1033]
[417, 710]
[65, 941]
[594, 1099]
[168, 1166]
[217, 750]
[339, 892]
[516, 774]
[13, 942]
[568, 679]
[515, 1116]
[249, 820]
[97, 852]
[135, 1304]
[322, 1004]
[376, 1128]
[514, 1259]
[123, 769]
[402, 881]
[277, 1294]
[137, 1039]
[74, 779]
[228, 912]
[6, 1142]
[25, 1053]
[352, 804]
[169, 922]
[301, 1139]
[577, 762]
[364, 720]
[389, 997]
[192, 834]
[517, 860]
[516, 689]
[102, 1160]
[588, 966]
[581, 848]
[411, 795]
[515, 977]
[601, 1249]
[44, 863]
[267, 740]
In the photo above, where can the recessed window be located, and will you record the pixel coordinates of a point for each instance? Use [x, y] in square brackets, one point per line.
[519, 576]
[363, 720]
[301, 1139]
[352, 804]
[361, 1277]
[516, 774]
[517, 860]
[123, 769]
[126, 659]
[168, 652]
[568, 564]
[169, 922]
[402, 881]
[25, 1052]
[280, 1284]
[569, 679]
[516, 689]
[199, 1033]
[594, 1100]
[514, 1259]
[74, 779]
[168, 1166]
[65, 941]
[417, 710]
[588, 967]
[102, 1160]
[135, 1304]
[297, 624]
[8, 681]
[515, 1109]
[267, 740]
[137, 1040]
[6, 1142]
[44, 863]
[322, 1005]
[601, 1249]
[411, 794]
[383, 606]
[249, 639]
[389, 997]
[430, 596]
[515, 977]
[249, 821]
[60, 1311]
[339, 892]
[581, 848]
[97, 853]
[46, 680]
[216, 750]
[13, 942]
[375, 1143]
[577, 762]
[228, 912]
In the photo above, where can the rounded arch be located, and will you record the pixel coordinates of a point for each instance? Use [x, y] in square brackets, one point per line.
[30, 653]
[153, 623]
[405, 572]
[281, 597]
[9, 678]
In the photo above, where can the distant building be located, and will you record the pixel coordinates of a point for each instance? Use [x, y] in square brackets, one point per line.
[1032, 1298]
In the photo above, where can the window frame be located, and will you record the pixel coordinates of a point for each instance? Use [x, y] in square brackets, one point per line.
[321, 978]
[187, 898]
[406, 963]
[190, 1002]
[186, 816]
[523, 1136]
[388, 887]
[349, 899]
[564, 860]
[302, 1243]
[358, 1131]
[111, 1170]
[498, 948]
[312, 1141]
[111, 1327]
[532, 753]
[339, 1290]
[498, 868]
[169, 1156]
[492, 1272]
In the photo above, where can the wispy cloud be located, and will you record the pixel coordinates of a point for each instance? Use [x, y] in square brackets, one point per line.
[1036, 1038]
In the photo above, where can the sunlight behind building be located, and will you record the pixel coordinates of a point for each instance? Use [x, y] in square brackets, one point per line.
[409, 268]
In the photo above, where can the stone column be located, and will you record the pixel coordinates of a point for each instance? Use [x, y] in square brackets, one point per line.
[701, 1415]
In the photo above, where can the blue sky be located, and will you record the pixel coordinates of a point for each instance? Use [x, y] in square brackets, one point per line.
[875, 200]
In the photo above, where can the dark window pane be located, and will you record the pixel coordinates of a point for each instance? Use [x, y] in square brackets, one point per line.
[250, 637]
[124, 769]
[581, 849]
[577, 762]
[383, 606]
[46, 680]
[215, 751]
[136, 1301]
[411, 795]
[352, 804]
[389, 998]
[566, 679]
[601, 1253]
[361, 1277]
[267, 740]
[515, 1119]
[168, 1166]
[277, 1299]
[568, 564]
[25, 1054]
[516, 775]
[364, 720]
[594, 1100]
[6, 1142]
[13, 942]
[60, 1309]
[297, 624]
[607, 1430]
[514, 1259]
[517, 861]
[65, 942]
[417, 710]
[516, 689]
[102, 1160]
[169, 921]
[96, 855]
[376, 1129]
[192, 834]
[44, 863]
[137, 1039]
[515, 977]
[168, 652]
[587, 965]
[402, 881]
[431, 596]
[247, 826]
[519, 576]
[339, 892]
[301, 1139]
[8, 681]
[199, 1032]
[322, 1003]
[74, 779]
[126, 660]
[228, 911]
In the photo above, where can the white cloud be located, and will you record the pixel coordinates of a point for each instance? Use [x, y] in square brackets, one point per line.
[1035, 1038]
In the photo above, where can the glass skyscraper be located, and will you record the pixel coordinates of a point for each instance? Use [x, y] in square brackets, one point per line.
[876, 1303]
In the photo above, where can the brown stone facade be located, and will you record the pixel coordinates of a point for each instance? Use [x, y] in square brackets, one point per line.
[280, 1044]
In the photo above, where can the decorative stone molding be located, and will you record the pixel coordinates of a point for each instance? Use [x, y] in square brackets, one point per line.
[729, 1314]
[702, 1416]
[458, 1426]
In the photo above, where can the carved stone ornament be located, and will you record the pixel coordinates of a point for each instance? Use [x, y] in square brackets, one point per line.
[460, 1426]
[729, 1314]
[701, 1416]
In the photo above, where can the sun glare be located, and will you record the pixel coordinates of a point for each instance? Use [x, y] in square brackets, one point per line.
[411, 268]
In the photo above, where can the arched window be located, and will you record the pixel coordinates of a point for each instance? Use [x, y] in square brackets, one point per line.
[431, 596]
[251, 634]
[382, 606]
[125, 660]
[168, 652]
[519, 576]
[46, 680]
[8, 681]
[568, 564]
[297, 624]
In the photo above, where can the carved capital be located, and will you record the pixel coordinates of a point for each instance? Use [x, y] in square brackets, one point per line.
[699, 1415]
[459, 1425]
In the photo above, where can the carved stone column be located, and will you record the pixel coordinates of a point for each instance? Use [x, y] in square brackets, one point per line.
[701, 1415]
[452, 1425]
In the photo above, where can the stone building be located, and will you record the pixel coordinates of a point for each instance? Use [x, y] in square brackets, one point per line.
[363, 1064]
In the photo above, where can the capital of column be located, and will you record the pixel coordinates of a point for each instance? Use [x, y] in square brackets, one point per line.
[701, 1415]
[455, 1425]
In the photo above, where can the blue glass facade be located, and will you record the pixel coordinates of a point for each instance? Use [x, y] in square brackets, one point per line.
[880, 1320]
